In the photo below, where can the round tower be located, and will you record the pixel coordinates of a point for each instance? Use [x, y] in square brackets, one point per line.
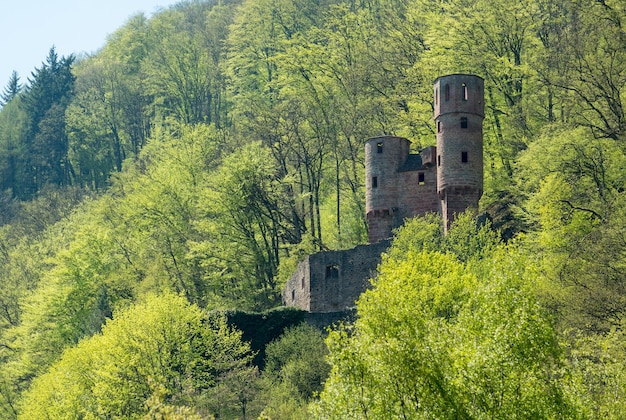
[383, 157]
[459, 114]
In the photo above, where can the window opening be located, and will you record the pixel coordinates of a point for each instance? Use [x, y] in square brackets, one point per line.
[439, 126]
[447, 92]
[438, 160]
[332, 271]
[463, 122]
[464, 91]
[379, 147]
[420, 178]
[302, 282]
[464, 157]
[374, 182]
[293, 295]
[436, 96]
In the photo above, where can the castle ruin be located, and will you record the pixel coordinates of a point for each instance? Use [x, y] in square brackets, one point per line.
[446, 179]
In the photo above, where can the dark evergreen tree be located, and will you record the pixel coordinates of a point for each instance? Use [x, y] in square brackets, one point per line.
[11, 90]
[45, 100]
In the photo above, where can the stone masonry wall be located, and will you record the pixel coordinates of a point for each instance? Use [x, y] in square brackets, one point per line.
[297, 290]
[331, 281]
[418, 198]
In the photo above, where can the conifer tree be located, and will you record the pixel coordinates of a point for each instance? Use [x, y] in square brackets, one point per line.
[45, 100]
[11, 90]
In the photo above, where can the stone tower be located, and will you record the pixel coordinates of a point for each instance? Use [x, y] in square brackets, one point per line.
[383, 157]
[459, 114]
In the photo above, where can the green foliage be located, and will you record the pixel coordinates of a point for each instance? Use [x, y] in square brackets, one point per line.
[574, 205]
[440, 338]
[600, 379]
[45, 101]
[467, 239]
[160, 349]
[244, 225]
[297, 358]
[11, 90]
[295, 370]
[183, 64]
[224, 140]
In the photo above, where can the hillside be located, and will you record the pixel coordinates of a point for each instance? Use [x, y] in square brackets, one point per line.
[189, 164]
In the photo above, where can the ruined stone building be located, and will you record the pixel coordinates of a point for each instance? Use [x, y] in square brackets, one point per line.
[446, 179]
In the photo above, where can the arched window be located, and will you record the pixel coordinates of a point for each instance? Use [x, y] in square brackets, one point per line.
[447, 89]
[436, 96]
[463, 122]
[464, 91]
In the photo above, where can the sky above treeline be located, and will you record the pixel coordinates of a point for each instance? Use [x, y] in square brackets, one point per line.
[29, 28]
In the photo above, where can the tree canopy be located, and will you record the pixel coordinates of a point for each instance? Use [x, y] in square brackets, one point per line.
[204, 150]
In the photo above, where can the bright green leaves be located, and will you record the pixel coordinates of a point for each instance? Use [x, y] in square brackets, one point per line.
[439, 338]
[574, 187]
[162, 348]
[297, 359]
[183, 65]
[156, 207]
[600, 379]
[245, 223]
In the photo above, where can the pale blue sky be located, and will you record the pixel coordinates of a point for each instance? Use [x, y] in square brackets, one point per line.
[28, 28]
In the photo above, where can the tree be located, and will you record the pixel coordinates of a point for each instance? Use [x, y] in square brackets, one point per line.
[45, 100]
[597, 67]
[439, 338]
[109, 119]
[295, 365]
[599, 375]
[11, 90]
[244, 228]
[183, 65]
[162, 349]
[574, 212]
[13, 126]
[155, 213]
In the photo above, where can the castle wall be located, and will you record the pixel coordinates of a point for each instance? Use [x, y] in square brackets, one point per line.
[331, 281]
[383, 156]
[457, 201]
[459, 93]
[419, 195]
[297, 290]
[455, 170]
[459, 112]
[380, 223]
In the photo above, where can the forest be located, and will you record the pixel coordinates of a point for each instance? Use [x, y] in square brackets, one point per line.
[184, 169]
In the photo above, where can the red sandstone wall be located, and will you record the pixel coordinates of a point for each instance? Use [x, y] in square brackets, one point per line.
[379, 225]
[382, 200]
[456, 202]
[415, 199]
[459, 112]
